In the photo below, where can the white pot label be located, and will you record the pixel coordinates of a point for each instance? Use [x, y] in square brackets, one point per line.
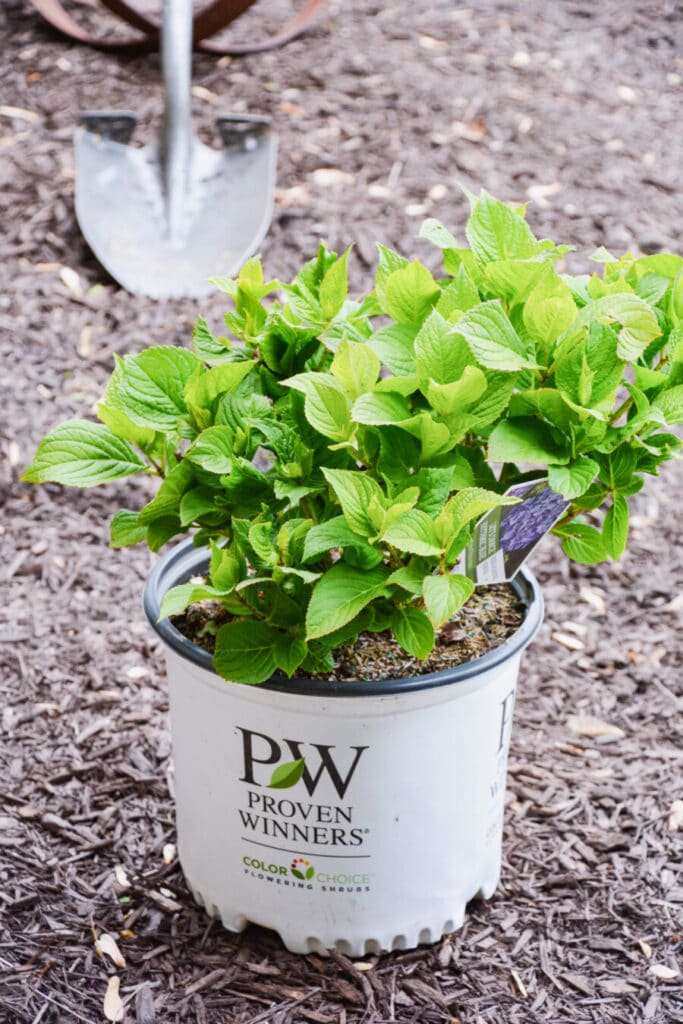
[278, 826]
[504, 538]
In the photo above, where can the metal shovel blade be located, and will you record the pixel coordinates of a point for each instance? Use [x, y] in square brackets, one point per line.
[122, 204]
[165, 218]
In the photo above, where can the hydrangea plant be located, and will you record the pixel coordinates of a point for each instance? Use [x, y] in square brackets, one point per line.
[333, 454]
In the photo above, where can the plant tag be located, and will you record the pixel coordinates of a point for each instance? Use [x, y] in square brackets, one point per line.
[504, 538]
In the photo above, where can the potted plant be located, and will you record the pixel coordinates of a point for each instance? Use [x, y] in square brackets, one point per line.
[349, 470]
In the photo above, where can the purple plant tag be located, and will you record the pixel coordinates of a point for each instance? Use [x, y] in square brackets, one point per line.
[504, 538]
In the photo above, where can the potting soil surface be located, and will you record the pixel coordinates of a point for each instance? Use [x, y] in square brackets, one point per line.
[381, 110]
[490, 617]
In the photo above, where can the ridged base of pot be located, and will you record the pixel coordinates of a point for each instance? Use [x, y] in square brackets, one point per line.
[364, 943]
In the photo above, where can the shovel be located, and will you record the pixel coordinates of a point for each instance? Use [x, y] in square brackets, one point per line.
[165, 218]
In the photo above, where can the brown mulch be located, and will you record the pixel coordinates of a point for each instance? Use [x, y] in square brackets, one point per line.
[576, 105]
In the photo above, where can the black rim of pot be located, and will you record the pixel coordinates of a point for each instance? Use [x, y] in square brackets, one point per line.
[185, 561]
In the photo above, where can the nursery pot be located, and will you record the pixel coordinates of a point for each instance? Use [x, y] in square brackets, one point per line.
[396, 821]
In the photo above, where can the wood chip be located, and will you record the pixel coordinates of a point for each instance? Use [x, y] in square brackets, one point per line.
[572, 643]
[71, 279]
[200, 92]
[121, 876]
[675, 605]
[331, 177]
[430, 43]
[675, 816]
[519, 984]
[137, 672]
[587, 725]
[20, 113]
[645, 948]
[540, 193]
[106, 946]
[664, 973]
[171, 906]
[168, 853]
[113, 1006]
[593, 598]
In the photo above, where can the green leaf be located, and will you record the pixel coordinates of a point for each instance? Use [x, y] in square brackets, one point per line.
[670, 403]
[195, 504]
[395, 346]
[615, 527]
[435, 484]
[435, 438]
[290, 651]
[166, 503]
[414, 632]
[550, 309]
[440, 354]
[326, 407]
[245, 651]
[415, 533]
[208, 348]
[574, 479]
[459, 294]
[161, 530]
[212, 450]
[409, 578]
[334, 287]
[225, 569]
[410, 293]
[497, 232]
[150, 387]
[546, 403]
[492, 338]
[513, 280]
[326, 536]
[339, 596]
[397, 386]
[178, 598]
[287, 774]
[466, 505]
[454, 398]
[525, 440]
[639, 324]
[125, 529]
[123, 427]
[380, 409]
[82, 454]
[356, 367]
[355, 490]
[389, 261]
[445, 595]
[434, 231]
[203, 389]
[582, 543]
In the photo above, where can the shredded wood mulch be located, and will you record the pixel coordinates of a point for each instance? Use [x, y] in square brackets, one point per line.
[381, 111]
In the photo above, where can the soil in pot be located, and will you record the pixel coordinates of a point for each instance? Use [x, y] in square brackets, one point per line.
[490, 616]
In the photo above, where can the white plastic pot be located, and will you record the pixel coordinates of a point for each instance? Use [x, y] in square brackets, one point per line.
[397, 820]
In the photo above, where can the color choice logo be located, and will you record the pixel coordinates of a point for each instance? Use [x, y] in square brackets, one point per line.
[302, 868]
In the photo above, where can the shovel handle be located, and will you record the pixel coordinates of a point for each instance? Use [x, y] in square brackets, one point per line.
[176, 63]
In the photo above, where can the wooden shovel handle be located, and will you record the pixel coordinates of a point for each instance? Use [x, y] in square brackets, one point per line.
[216, 16]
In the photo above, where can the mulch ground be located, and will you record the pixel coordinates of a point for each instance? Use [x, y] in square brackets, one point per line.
[574, 105]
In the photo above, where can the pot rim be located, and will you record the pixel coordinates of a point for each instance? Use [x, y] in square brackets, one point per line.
[185, 560]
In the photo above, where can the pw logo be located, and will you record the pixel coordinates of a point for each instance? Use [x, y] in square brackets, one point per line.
[308, 768]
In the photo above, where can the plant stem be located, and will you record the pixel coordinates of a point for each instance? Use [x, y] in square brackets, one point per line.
[625, 405]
